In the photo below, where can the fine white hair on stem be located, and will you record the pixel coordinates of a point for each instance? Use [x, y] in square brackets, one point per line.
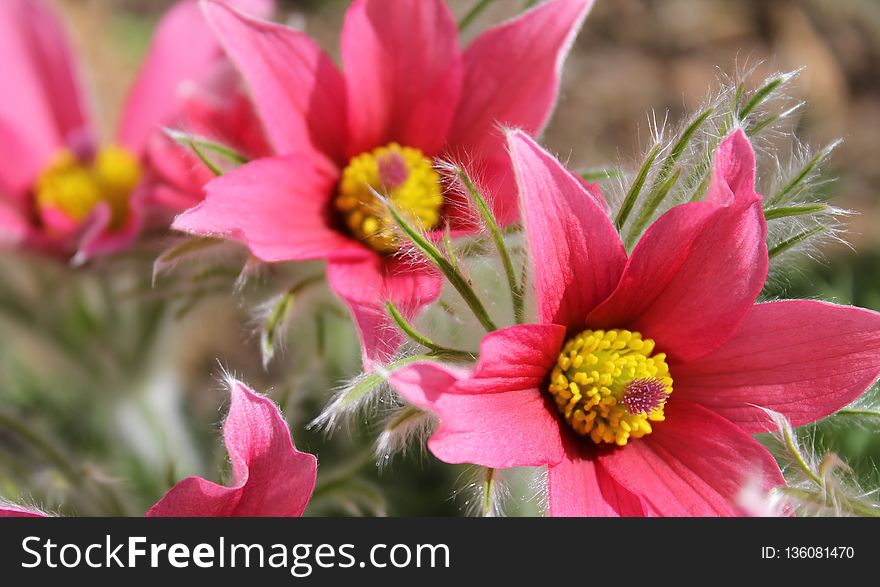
[405, 429]
[818, 484]
[368, 392]
[483, 492]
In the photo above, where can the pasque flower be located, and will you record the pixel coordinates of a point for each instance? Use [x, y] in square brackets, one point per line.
[269, 476]
[408, 94]
[642, 380]
[59, 190]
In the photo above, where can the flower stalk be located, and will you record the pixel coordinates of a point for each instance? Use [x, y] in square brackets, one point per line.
[437, 350]
[452, 274]
[516, 288]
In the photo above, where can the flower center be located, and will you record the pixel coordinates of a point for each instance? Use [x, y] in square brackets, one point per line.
[608, 385]
[75, 186]
[403, 175]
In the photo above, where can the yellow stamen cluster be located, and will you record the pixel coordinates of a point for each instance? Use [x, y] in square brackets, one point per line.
[594, 372]
[75, 188]
[404, 176]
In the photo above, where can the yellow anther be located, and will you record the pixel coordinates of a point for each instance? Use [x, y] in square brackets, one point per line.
[404, 176]
[75, 187]
[609, 387]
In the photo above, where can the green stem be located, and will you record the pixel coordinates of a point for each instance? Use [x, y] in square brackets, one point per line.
[488, 490]
[473, 13]
[858, 412]
[278, 315]
[516, 290]
[52, 454]
[336, 478]
[452, 274]
[420, 338]
[795, 453]
[854, 505]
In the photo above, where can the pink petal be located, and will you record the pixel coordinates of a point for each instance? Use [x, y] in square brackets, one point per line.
[14, 228]
[498, 416]
[576, 254]
[165, 197]
[43, 100]
[20, 164]
[693, 464]
[579, 487]
[699, 268]
[181, 49]
[270, 477]
[277, 207]
[804, 359]
[366, 285]
[219, 109]
[513, 72]
[506, 429]
[181, 174]
[14, 511]
[297, 89]
[515, 358]
[403, 70]
[97, 238]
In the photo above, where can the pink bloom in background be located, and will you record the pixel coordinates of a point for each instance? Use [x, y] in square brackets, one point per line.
[644, 377]
[59, 190]
[408, 94]
[269, 476]
[217, 108]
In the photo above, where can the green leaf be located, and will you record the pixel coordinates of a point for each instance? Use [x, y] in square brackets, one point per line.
[203, 147]
[271, 331]
[789, 243]
[788, 211]
[636, 188]
[175, 254]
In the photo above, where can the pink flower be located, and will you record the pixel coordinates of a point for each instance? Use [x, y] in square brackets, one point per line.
[218, 109]
[59, 191]
[269, 476]
[641, 383]
[408, 94]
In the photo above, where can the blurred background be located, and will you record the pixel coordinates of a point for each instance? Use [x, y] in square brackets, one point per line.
[633, 57]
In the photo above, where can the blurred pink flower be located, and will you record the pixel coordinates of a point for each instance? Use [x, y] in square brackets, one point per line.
[269, 476]
[625, 429]
[60, 191]
[408, 94]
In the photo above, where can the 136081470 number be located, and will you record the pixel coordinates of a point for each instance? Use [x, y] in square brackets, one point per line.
[814, 552]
